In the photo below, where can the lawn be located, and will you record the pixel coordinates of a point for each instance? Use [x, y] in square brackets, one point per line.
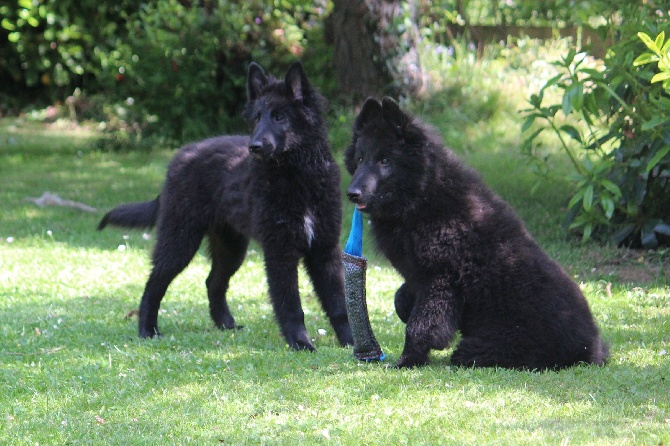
[74, 371]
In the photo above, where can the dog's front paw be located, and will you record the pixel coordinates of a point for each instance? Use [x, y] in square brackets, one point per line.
[408, 362]
[225, 322]
[230, 325]
[150, 332]
[234, 327]
[344, 335]
[300, 341]
[303, 345]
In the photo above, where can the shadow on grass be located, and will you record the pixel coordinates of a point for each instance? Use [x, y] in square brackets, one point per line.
[95, 354]
[37, 323]
[87, 321]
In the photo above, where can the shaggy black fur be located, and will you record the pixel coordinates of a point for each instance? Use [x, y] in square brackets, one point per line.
[286, 196]
[467, 260]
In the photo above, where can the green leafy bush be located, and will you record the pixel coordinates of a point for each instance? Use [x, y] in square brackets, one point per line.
[59, 43]
[659, 51]
[185, 64]
[612, 123]
[170, 69]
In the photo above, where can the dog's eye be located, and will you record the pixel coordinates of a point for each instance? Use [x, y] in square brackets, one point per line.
[384, 161]
[279, 117]
[359, 160]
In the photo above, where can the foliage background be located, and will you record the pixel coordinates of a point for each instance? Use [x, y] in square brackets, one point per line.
[166, 72]
[172, 68]
[73, 370]
[612, 121]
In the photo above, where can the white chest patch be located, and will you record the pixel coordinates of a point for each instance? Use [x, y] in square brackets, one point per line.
[309, 227]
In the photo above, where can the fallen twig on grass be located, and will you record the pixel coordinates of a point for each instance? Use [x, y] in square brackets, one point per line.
[44, 351]
[49, 199]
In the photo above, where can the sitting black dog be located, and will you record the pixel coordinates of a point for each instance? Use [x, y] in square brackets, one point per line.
[467, 260]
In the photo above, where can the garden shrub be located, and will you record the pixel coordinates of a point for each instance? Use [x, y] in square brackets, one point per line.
[613, 124]
[185, 64]
[172, 69]
[59, 44]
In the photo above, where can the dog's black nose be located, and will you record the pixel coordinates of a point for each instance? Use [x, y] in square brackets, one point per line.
[255, 148]
[354, 194]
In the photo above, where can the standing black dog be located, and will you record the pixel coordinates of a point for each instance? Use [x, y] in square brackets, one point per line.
[280, 186]
[468, 262]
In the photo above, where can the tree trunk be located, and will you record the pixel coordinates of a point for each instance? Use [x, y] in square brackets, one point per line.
[374, 47]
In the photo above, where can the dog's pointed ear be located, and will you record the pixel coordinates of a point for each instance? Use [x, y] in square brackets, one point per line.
[393, 115]
[296, 81]
[256, 80]
[370, 110]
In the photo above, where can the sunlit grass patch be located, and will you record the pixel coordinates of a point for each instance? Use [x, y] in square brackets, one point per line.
[74, 370]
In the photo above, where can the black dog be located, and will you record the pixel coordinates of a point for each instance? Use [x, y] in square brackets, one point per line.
[468, 262]
[286, 196]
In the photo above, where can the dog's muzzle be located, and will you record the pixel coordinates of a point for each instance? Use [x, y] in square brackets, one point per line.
[261, 150]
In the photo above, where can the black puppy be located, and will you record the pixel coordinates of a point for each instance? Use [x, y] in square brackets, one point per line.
[468, 262]
[286, 196]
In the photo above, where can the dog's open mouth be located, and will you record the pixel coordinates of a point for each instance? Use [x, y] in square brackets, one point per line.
[361, 206]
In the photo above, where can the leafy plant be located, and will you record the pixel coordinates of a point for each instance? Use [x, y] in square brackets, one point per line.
[59, 42]
[185, 64]
[594, 201]
[659, 51]
[612, 124]
[172, 68]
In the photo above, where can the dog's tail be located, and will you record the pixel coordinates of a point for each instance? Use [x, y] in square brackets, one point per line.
[132, 215]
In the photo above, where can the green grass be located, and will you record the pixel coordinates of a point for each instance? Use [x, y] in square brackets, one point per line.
[74, 372]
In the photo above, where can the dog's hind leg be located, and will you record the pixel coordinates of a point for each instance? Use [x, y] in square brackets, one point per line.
[324, 267]
[174, 250]
[282, 273]
[473, 351]
[227, 250]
